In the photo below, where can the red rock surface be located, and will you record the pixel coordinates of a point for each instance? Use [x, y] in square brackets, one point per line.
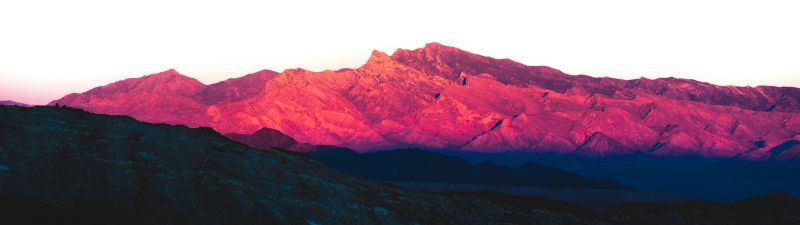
[441, 97]
[166, 97]
[236, 89]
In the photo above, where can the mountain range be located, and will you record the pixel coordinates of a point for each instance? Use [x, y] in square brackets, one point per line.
[441, 97]
[62, 165]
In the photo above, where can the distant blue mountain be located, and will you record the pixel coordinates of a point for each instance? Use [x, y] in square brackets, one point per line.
[8, 102]
[720, 180]
[425, 166]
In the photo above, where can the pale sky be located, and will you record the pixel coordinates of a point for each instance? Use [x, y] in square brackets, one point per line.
[51, 48]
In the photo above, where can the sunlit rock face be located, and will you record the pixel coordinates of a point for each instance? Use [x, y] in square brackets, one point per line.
[441, 97]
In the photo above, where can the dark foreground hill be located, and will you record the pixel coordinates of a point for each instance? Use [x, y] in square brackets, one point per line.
[63, 163]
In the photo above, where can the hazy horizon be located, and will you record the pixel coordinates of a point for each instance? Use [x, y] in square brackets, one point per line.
[53, 48]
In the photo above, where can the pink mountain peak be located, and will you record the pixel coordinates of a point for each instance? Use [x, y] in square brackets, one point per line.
[167, 81]
[166, 75]
[378, 57]
[438, 47]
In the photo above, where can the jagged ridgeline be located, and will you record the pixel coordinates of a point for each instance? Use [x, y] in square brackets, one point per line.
[65, 165]
[442, 97]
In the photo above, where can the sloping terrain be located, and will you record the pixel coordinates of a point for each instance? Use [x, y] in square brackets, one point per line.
[125, 171]
[63, 165]
[440, 97]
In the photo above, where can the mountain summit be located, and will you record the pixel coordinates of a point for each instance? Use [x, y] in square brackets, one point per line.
[442, 97]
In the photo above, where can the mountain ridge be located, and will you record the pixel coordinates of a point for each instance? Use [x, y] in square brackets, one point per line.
[441, 97]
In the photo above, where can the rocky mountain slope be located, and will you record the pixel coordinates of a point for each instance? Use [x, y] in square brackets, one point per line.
[440, 97]
[104, 169]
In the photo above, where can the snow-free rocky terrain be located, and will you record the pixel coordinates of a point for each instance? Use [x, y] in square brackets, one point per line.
[441, 97]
